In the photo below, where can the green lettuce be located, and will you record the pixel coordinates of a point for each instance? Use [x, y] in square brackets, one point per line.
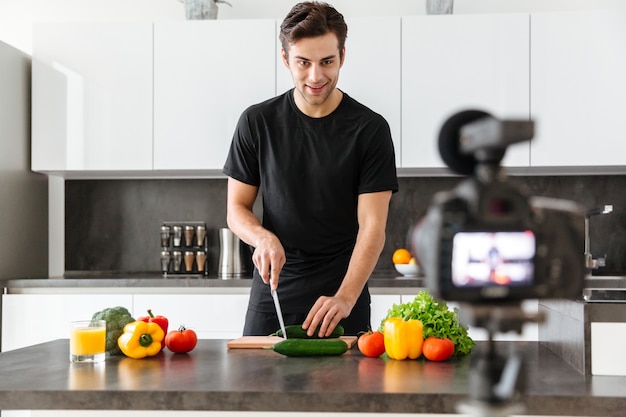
[436, 317]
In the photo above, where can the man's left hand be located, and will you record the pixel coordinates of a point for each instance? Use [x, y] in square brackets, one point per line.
[326, 313]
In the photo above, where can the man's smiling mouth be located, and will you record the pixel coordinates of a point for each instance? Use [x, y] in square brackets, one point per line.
[316, 89]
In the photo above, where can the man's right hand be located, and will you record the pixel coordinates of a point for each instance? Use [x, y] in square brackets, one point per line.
[269, 258]
[269, 254]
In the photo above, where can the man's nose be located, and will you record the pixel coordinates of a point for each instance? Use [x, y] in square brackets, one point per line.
[315, 73]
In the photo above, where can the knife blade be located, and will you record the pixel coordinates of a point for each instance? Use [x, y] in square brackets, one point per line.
[279, 313]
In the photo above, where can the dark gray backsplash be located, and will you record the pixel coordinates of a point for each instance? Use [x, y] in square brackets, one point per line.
[113, 225]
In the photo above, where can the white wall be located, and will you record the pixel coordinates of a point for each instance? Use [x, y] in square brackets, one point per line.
[17, 16]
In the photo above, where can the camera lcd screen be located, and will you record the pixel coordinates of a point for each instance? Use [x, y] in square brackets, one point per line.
[500, 258]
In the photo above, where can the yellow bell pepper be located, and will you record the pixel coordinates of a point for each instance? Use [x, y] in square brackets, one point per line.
[141, 339]
[403, 339]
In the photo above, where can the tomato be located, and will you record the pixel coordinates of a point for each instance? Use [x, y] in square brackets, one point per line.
[438, 349]
[182, 340]
[372, 344]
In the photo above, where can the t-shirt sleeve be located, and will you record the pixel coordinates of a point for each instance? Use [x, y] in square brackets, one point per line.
[242, 162]
[378, 161]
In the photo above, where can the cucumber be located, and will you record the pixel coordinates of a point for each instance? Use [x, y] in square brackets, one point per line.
[295, 331]
[311, 347]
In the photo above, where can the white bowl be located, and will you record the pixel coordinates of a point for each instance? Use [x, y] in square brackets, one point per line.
[408, 270]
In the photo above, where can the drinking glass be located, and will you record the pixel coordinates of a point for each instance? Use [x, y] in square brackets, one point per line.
[87, 340]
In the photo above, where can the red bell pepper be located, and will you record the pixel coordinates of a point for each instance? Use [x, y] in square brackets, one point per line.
[162, 321]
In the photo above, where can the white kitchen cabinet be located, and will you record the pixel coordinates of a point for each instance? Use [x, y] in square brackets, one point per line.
[92, 97]
[371, 71]
[222, 316]
[205, 74]
[578, 62]
[211, 316]
[28, 319]
[380, 305]
[452, 63]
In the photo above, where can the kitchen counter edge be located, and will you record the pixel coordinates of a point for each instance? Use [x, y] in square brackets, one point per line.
[213, 377]
[378, 284]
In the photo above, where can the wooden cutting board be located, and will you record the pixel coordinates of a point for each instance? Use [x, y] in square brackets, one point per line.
[260, 342]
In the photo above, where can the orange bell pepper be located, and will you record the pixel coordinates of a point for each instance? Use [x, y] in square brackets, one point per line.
[403, 339]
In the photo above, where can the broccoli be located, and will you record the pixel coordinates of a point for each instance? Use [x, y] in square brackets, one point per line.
[116, 318]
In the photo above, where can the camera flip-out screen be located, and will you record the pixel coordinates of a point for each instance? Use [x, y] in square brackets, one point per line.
[502, 258]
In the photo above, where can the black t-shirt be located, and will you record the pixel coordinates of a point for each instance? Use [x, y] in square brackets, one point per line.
[310, 172]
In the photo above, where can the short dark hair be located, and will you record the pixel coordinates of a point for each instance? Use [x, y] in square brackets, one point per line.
[310, 19]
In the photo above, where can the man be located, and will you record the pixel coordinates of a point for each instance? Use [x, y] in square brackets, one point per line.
[325, 167]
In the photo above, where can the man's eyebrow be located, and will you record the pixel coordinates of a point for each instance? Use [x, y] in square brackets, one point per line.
[302, 58]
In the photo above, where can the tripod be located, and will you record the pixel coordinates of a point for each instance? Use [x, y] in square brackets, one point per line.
[496, 380]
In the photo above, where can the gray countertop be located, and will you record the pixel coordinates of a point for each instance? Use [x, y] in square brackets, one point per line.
[213, 377]
[380, 282]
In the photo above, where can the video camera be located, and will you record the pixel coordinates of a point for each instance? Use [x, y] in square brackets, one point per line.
[488, 245]
[487, 241]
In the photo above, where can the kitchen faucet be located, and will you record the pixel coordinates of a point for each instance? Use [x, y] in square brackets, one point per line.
[591, 263]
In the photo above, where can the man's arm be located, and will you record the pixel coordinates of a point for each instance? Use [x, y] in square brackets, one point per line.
[372, 212]
[269, 254]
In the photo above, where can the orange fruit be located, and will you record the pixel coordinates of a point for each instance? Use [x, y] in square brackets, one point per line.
[401, 256]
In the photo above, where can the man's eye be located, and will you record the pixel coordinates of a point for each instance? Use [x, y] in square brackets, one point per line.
[303, 63]
[328, 62]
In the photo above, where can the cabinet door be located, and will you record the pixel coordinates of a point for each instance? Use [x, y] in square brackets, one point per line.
[461, 62]
[371, 70]
[380, 306]
[28, 319]
[211, 316]
[205, 74]
[92, 96]
[578, 88]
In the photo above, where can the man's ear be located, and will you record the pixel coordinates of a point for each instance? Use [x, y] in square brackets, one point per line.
[283, 54]
[343, 56]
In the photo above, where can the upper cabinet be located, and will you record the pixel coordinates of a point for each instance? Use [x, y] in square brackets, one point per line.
[206, 73]
[461, 62]
[163, 99]
[578, 88]
[371, 70]
[92, 96]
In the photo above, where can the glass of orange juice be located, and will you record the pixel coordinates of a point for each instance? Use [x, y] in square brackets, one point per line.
[87, 340]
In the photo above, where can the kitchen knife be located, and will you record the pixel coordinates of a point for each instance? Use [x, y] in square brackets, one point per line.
[279, 313]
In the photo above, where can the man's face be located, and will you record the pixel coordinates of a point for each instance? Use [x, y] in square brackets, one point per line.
[314, 64]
